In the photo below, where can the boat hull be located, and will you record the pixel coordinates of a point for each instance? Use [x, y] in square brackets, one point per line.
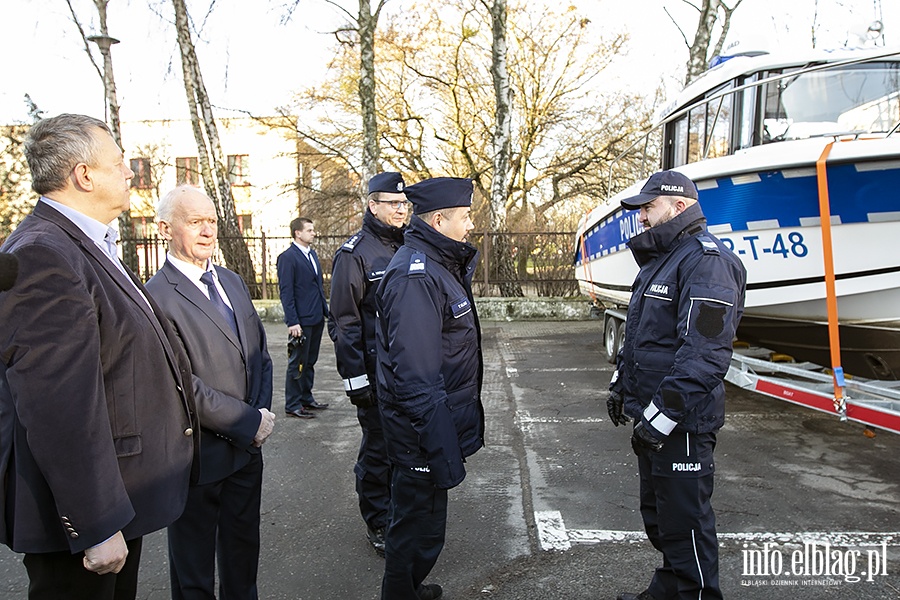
[770, 218]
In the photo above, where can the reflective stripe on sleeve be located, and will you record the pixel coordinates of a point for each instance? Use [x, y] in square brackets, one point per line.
[356, 383]
[660, 422]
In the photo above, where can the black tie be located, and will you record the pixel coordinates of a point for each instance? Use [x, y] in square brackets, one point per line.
[217, 301]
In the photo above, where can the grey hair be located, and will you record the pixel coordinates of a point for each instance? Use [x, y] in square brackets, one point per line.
[54, 146]
[377, 196]
[165, 209]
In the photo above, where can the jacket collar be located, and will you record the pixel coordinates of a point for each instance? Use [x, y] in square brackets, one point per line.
[660, 240]
[184, 285]
[385, 232]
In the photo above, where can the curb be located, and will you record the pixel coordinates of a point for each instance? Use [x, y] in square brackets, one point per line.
[489, 309]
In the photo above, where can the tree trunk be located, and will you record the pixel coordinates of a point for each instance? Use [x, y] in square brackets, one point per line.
[500, 249]
[697, 62]
[213, 166]
[370, 151]
[700, 54]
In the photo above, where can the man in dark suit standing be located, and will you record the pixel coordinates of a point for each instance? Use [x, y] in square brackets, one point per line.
[216, 322]
[305, 309]
[96, 412]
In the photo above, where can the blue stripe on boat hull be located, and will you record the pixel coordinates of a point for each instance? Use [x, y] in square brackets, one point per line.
[853, 195]
[774, 200]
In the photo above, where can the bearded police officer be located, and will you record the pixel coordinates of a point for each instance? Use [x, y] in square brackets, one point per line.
[356, 271]
[685, 306]
[429, 373]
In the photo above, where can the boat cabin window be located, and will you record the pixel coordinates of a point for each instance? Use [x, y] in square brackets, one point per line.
[851, 99]
[704, 132]
[747, 110]
[696, 133]
[718, 124]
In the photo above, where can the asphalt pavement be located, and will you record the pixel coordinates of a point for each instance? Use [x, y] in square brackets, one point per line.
[807, 506]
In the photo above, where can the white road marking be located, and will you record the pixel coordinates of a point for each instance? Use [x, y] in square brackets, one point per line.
[551, 530]
[553, 535]
[524, 417]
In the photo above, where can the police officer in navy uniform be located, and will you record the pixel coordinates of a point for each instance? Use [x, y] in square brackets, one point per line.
[429, 370]
[685, 306]
[356, 271]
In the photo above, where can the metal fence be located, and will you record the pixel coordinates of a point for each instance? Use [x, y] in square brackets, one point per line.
[542, 262]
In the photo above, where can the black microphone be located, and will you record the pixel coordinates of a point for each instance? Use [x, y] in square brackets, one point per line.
[9, 270]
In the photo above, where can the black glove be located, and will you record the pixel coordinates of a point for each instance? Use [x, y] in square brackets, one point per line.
[615, 403]
[363, 398]
[642, 439]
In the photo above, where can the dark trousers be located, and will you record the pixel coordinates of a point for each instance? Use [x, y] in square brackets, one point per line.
[55, 575]
[220, 521]
[373, 469]
[299, 382]
[415, 534]
[676, 492]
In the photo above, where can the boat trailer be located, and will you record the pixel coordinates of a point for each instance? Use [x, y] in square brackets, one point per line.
[874, 403]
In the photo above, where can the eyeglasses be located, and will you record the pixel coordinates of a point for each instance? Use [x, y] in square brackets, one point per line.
[395, 204]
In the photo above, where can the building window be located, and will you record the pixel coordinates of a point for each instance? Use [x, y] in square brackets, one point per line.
[238, 169]
[187, 170]
[142, 177]
[316, 180]
[245, 223]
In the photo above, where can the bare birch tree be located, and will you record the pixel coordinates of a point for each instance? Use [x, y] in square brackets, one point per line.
[501, 144]
[213, 167]
[367, 22]
[104, 43]
[360, 31]
[711, 13]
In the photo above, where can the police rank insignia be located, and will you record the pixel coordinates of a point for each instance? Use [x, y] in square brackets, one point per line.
[350, 244]
[416, 265]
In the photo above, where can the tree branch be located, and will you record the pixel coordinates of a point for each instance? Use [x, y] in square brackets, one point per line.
[87, 46]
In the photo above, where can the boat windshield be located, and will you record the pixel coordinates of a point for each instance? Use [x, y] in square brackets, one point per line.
[853, 99]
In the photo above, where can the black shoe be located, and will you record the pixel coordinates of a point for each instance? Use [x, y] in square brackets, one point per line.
[432, 591]
[645, 595]
[316, 406]
[376, 538]
[300, 413]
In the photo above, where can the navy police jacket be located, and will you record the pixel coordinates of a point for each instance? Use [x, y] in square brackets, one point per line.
[430, 366]
[358, 267]
[685, 306]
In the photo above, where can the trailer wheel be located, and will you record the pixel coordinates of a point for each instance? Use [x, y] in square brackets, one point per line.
[611, 342]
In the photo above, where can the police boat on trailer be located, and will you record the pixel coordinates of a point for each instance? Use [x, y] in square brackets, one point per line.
[773, 142]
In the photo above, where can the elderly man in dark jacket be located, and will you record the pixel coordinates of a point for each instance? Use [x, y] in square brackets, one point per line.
[685, 306]
[430, 370]
[356, 271]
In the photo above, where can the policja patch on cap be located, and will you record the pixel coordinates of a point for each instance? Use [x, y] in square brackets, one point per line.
[390, 182]
[663, 183]
[440, 192]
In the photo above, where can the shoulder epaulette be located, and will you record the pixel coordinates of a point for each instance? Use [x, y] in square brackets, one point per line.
[708, 245]
[416, 265]
[350, 244]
